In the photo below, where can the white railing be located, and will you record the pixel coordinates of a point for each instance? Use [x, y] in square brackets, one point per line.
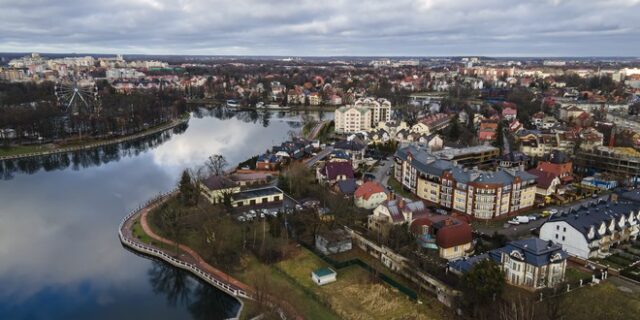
[136, 246]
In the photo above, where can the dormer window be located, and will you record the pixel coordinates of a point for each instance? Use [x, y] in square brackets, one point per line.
[591, 233]
[516, 254]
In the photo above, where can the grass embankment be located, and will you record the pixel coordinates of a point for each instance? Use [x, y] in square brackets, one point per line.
[604, 301]
[397, 189]
[80, 143]
[356, 294]
[138, 233]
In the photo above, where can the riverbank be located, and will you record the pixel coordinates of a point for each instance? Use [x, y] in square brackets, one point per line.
[21, 152]
[156, 246]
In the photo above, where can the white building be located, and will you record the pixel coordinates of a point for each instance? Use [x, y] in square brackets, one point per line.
[589, 230]
[323, 276]
[352, 119]
[530, 263]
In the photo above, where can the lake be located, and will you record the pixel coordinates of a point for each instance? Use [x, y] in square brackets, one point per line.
[60, 257]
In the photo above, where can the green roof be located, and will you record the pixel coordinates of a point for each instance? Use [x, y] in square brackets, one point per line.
[323, 272]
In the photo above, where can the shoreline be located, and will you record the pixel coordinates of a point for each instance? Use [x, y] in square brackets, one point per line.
[213, 276]
[158, 129]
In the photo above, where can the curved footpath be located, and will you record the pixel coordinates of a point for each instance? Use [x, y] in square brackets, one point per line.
[136, 136]
[188, 258]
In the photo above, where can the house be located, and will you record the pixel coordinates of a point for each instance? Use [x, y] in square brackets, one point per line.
[590, 229]
[334, 171]
[369, 195]
[295, 149]
[509, 113]
[547, 183]
[396, 211]
[354, 148]
[333, 241]
[451, 236]
[315, 99]
[488, 130]
[323, 276]
[529, 263]
[351, 119]
[267, 162]
[216, 188]
[346, 187]
[258, 196]
[553, 176]
[431, 124]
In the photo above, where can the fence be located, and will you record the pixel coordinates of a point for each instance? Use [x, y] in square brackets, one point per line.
[356, 261]
[235, 291]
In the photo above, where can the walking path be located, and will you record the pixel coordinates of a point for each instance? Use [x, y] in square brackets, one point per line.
[189, 255]
[136, 136]
[187, 259]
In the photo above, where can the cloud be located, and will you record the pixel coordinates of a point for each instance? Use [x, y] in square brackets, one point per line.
[279, 27]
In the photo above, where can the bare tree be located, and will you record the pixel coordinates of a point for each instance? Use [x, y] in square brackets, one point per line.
[216, 164]
[518, 308]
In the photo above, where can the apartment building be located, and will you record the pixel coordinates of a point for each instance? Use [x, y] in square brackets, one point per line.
[365, 114]
[478, 193]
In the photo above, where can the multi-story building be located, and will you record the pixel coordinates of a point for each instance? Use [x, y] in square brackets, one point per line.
[380, 109]
[352, 119]
[482, 155]
[617, 161]
[480, 194]
[530, 263]
[589, 230]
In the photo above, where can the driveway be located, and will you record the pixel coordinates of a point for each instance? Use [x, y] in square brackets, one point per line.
[381, 170]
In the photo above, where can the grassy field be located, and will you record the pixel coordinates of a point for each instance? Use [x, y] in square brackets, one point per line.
[12, 151]
[252, 270]
[356, 294]
[603, 301]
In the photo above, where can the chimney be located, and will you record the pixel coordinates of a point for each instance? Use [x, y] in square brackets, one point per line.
[614, 198]
[400, 202]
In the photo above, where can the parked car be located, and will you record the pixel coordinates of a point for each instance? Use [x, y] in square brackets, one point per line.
[513, 221]
[522, 219]
[532, 217]
[241, 218]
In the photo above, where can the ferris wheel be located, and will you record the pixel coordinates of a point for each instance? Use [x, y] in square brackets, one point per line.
[78, 97]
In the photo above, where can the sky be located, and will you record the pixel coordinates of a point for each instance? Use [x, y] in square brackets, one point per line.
[324, 27]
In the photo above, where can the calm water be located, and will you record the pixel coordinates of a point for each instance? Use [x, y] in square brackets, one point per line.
[60, 257]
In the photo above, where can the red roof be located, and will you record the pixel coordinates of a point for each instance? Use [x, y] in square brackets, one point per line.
[449, 231]
[368, 189]
[544, 178]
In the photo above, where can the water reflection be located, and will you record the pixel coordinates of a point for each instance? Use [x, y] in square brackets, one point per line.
[201, 299]
[60, 257]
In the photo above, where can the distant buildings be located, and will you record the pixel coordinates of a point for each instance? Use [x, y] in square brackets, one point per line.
[432, 123]
[623, 163]
[365, 114]
[480, 194]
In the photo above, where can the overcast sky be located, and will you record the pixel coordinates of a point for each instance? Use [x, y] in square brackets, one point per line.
[324, 27]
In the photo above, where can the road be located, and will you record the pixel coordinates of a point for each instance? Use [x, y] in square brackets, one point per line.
[524, 230]
[381, 170]
[321, 155]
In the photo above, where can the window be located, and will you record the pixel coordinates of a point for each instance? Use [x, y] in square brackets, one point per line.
[556, 236]
[562, 238]
[455, 249]
[564, 229]
[557, 227]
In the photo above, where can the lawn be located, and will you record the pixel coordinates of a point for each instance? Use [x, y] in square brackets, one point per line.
[356, 294]
[573, 275]
[603, 301]
[278, 282]
[397, 189]
[137, 232]
[12, 151]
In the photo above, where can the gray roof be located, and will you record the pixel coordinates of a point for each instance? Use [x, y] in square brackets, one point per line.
[427, 163]
[582, 217]
[534, 251]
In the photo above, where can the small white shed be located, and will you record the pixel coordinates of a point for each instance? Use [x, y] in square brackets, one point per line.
[323, 276]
